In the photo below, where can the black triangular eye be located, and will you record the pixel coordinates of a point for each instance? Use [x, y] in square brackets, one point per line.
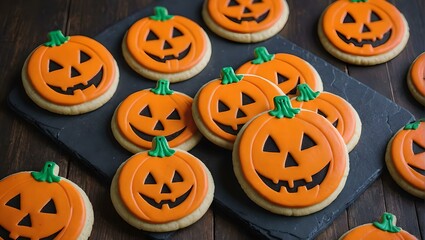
[146, 111]
[416, 148]
[307, 142]
[152, 36]
[26, 221]
[174, 115]
[233, 3]
[15, 202]
[335, 123]
[84, 57]
[247, 99]
[222, 107]
[50, 207]
[150, 179]
[53, 66]
[349, 19]
[374, 17]
[177, 177]
[281, 78]
[322, 113]
[290, 161]
[270, 145]
[177, 33]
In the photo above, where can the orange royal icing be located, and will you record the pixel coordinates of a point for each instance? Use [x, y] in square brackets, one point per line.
[245, 16]
[144, 114]
[145, 181]
[370, 232]
[241, 100]
[285, 70]
[417, 74]
[85, 78]
[405, 159]
[167, 46]
[276, 151]
[352, 27]
[67, 222]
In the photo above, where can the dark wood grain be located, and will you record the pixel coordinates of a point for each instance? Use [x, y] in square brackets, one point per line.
[23, 26]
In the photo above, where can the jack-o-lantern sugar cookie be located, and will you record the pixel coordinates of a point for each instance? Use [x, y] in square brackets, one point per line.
[159, 111]
[245, 21]
[222, 106]
[42, 205]
[285, 70]
[363, 32]
[162, 189]
[416, 79]
[70, 75]
[405, 158]
[166, 46]
[385, 229]
[290, 161]
[335, 109]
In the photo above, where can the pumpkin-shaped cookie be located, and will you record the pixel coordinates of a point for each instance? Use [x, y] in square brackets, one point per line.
[405, 158]
[155, 112]
[285, 70]
[222, 106]
[42, 205]
[385, 229]
[335, 109]
[364, 32]
[70, 75]
[290, 161]
[416, 79]
[162, 189]
[166, 46]
[245, 21]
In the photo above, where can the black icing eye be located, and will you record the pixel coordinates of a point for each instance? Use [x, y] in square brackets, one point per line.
[146, 111]
[15, 202]
[150, 179]
[84, 57]
[177, 33]
[177, 177]
[374, 17]
[174, 115]
[222, 107]
[50, 207]
[247, 99]
[349, 19]
[307, 142]
[151, 36]
[233, 3]
[270, 145]
[416, 148]
[53, 66]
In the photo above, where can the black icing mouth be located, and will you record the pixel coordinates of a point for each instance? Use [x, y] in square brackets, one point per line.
[4, 234]
[374, 43]
[95, 81]
[420, 171]
[170, 203]
[249, 19]
[166, 58]
[317, 180]
[149, 138]
[229, 129]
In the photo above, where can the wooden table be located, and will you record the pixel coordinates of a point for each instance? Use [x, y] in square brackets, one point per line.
[23, 26]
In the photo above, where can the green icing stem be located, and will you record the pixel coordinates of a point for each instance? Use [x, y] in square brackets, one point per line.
[56, 38]
[283, 108]
[161, 14]
[306, 93]
[162, 88]
[414, 125]
[46, 174]
[228, 76]
[262, 55]
[387, 223]
[160, 148]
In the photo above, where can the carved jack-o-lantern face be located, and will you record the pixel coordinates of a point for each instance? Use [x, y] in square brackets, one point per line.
[245, 16]
[408, 156]
[155, 112]
[166, 43]
[363, 28]
[225, 105]
[285, 70]
[86, 73]
[290, 157]
[40, 206]
[334, 108]
[162, 185]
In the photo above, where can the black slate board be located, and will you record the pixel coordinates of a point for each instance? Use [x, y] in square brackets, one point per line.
[90, 139]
